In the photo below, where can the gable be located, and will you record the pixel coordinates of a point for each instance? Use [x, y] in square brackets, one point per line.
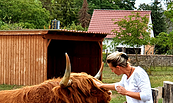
[101, 20]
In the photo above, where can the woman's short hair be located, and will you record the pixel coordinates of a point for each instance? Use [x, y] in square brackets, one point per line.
[118, 59]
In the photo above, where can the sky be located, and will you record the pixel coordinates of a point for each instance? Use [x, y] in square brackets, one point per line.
[138, 2]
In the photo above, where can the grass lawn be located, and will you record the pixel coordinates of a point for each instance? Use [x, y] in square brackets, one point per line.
[158, 75]
[8, 87]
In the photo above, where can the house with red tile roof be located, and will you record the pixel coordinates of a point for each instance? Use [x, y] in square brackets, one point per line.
[101, 21]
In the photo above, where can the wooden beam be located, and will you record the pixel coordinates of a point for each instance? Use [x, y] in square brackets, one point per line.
[72, 37]
[48, 42]
[100, 44]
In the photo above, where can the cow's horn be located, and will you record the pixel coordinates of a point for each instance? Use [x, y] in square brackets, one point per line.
[65, 80]
[100, 71]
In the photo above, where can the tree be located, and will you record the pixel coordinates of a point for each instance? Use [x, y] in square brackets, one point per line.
[133, 31]
[165, 40]
[111, 4]
[47, 4]
[169, 15]
[29, 12]
[169, 12]
[157, 16]
[84, 17]
[127, 4]
[158, 21]
[65, 11]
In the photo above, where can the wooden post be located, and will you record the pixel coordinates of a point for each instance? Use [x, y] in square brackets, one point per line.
[167, 92]
[106, 57]
[155, 94]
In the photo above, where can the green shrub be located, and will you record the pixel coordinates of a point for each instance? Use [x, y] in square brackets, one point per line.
[14, 26]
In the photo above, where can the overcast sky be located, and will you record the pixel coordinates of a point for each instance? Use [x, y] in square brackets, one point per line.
[138, 2]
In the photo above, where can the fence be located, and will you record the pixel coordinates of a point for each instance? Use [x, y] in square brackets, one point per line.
[166, 92]
[148, 60]
[152, 60]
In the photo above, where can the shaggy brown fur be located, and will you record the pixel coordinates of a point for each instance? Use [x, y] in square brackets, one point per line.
[82, 90]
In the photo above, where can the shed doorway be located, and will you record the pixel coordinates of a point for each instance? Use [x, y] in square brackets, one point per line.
[84, 57]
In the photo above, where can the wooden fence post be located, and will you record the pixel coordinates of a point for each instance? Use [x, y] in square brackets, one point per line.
[167, 92]
[155, 94]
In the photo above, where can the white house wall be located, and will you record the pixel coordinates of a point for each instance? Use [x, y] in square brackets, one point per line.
[149, 24]
[111, 48]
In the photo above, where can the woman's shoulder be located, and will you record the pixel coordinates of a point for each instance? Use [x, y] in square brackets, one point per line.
[139, 69]
[140, 72]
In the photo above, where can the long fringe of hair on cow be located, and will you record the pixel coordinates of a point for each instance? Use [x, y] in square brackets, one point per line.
[76, 88]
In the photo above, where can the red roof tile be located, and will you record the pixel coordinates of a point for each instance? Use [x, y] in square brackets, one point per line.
[101, 20]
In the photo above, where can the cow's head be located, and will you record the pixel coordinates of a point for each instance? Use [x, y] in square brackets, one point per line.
[81, 87]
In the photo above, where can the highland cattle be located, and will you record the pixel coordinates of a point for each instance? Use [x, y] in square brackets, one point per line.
[72, 88]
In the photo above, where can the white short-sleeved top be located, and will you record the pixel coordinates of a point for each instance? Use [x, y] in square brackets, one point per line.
[137, 82]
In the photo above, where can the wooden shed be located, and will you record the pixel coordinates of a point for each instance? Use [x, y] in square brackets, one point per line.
[29, 57]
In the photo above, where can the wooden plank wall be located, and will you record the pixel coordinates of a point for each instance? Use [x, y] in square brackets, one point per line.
[23, 59]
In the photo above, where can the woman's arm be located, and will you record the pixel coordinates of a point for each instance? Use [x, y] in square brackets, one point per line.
[123, 91]
[108, 86]
[120, 90]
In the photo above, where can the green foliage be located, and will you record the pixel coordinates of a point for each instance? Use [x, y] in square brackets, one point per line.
[14, 26]
[104, 47]
[29, 12]
[127, 4]
[73, 26]
[165, 40]
[169, 12]
[65, 11]
[35, 14]
[1, 23]
[104, 57]
[170, 52]
[46, 4]
[111, 4]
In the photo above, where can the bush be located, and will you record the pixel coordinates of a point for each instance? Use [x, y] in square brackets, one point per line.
[14, 26]
[104, 55]
[170, 52]
[79, 27]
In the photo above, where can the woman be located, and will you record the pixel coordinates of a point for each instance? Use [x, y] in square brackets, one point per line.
[135, 83]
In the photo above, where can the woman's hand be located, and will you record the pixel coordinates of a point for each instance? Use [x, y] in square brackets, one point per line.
[98, 83]
[121, 90]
